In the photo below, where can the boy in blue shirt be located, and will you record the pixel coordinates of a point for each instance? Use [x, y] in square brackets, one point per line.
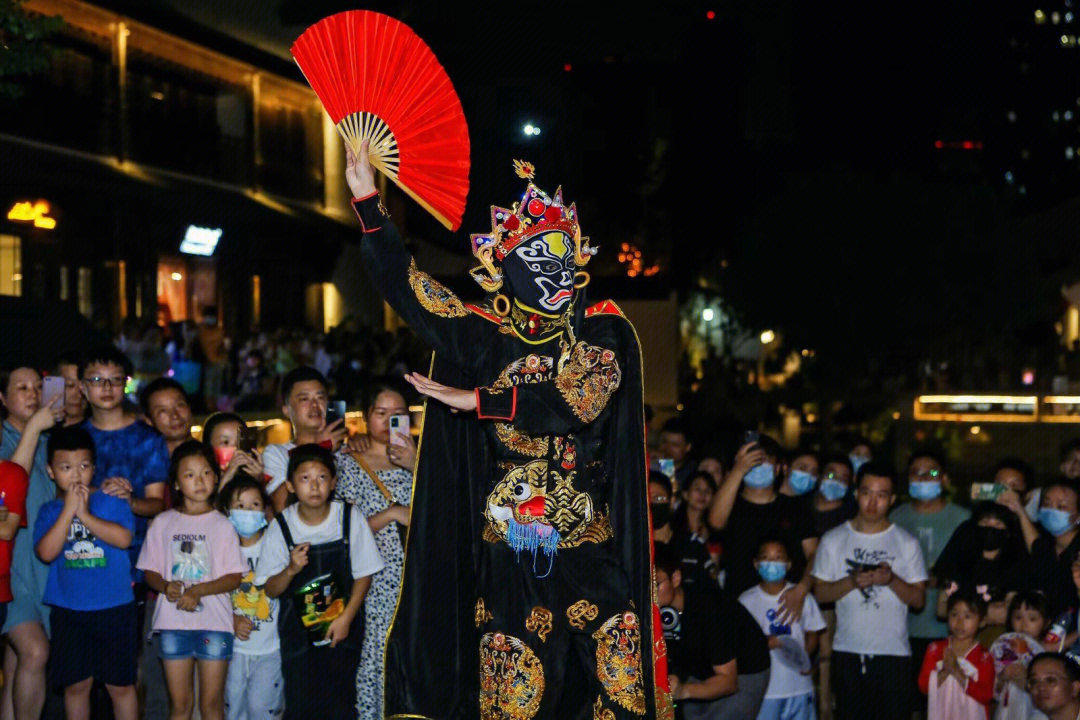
[83, 535]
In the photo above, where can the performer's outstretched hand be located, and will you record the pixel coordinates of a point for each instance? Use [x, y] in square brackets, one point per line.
[358, 172]
[455, 398]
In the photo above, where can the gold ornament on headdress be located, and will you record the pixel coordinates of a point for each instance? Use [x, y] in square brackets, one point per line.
[524, 169]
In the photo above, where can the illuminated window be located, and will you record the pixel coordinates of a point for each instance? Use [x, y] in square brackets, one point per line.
[82, 291]
[65, 283]
[10, 265]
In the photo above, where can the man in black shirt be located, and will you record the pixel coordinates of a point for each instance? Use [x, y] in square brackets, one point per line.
[718, 658]
[748, 509]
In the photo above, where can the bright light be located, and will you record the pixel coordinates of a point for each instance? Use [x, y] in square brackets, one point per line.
[1040, 17]
[975, 429]
[530, 129]
[896, 415]
[200, 240]
[707, 314]
[710, 15]
[35, 212]
[177, 276]
[1028, 377]
[767, 337]
[567, 67]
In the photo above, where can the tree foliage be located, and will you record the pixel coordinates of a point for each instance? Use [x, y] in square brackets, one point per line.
[23, 51]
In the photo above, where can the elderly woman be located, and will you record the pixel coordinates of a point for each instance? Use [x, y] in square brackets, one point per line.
[380, 484]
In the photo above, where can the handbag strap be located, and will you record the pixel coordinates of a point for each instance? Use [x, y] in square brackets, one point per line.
[373, 475]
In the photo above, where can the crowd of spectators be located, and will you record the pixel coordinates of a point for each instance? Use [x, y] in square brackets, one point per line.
[823, 583]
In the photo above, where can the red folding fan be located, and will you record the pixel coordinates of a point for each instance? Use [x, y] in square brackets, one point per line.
[381, 83]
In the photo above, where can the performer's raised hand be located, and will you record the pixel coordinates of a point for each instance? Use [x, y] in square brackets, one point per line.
[358, 171]
[455, 398]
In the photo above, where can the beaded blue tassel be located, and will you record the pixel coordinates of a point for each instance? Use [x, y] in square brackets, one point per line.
[532, 537]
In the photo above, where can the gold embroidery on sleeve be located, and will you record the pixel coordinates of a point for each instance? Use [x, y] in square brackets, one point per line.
[433, 296]
[587, 379]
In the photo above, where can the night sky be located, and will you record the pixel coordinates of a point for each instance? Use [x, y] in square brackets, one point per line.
[781, 153]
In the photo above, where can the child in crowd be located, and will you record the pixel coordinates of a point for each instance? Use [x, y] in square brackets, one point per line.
[227, 435]
[790, 694]
[254, 689]
[318, 557]
[958, 673]
[83, 535]
[1029, 615]
[192, 559]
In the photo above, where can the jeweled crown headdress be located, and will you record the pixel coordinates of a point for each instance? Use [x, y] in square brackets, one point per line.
[535, 213]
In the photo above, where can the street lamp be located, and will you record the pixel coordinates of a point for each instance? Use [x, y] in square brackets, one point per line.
[767, 337]
[530, 129]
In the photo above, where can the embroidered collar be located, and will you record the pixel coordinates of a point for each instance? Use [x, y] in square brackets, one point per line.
[535, 327]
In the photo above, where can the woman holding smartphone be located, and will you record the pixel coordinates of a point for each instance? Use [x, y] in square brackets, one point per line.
[380, 484]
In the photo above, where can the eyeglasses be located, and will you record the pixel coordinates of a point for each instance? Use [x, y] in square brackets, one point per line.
[1051, 681]
[100, 382]
[932, 474]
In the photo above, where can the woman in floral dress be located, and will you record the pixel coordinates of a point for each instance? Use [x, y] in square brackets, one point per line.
[384, 500]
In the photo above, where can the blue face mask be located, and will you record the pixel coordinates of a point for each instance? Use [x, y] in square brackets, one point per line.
[801, 482]
[857, 461]
[760, 476]
[247, 522]
[1056, 522]
[771, 571]
[924, 489]
[832, 489]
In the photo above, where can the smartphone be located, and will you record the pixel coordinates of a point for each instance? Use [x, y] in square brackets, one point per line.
[667, 466]
[53, 387]
[398, 424]
[751, 436]
[335, 410]
[986, 491]
[247, 441]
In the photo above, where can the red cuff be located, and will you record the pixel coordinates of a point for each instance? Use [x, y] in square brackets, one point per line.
[362, 207]
[491, 406]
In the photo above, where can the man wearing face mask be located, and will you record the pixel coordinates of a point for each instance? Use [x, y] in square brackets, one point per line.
[747, 508]
[800, 474]
[932, 519]
[530, 505]
[1055, 551]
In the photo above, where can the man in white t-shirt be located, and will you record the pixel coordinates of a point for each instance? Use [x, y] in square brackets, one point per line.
[304, 393]
[874, 571]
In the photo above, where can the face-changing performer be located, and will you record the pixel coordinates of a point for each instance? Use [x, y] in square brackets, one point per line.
[528, 583]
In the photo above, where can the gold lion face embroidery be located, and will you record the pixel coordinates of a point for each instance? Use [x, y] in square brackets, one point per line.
[511, 679]
[618, 661]
[533, 508]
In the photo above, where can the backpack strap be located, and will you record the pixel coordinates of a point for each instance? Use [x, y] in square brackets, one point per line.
[280, 519]
[346, 519]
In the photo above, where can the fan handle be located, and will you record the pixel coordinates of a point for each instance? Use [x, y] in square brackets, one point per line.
[383, 153]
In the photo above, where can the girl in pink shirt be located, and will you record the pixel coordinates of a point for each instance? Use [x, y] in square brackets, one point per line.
[192, 558]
